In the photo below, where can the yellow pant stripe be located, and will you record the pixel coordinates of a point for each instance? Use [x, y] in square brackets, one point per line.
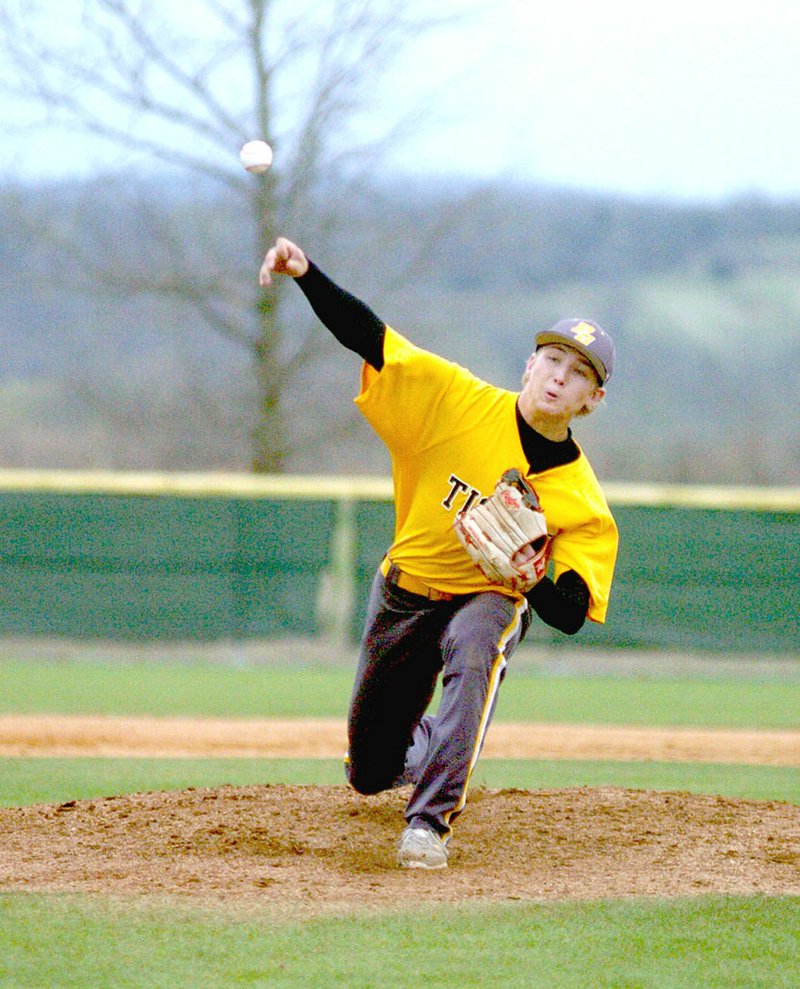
[495, 678]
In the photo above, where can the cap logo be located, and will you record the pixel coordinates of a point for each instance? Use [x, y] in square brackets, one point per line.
[584, 334]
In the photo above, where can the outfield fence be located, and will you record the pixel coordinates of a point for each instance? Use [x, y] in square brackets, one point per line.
[177, 556]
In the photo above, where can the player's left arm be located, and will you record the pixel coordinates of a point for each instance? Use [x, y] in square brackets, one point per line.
[563, 604]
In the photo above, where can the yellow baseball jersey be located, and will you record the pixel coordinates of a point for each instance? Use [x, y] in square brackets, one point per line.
[451, 436]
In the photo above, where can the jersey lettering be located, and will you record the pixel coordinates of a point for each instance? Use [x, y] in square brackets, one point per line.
[458, 486]
[473, 497]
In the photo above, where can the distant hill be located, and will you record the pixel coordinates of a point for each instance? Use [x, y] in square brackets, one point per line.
[703, 302]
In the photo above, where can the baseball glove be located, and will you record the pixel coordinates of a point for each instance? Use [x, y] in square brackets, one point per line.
[506, 534]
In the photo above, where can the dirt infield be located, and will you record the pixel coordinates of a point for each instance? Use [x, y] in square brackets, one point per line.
[69, 735]
[307, 849]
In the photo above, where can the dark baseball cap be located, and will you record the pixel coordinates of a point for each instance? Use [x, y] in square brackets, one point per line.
[587, 338]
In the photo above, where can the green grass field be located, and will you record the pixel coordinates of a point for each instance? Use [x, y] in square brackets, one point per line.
[708, 942]
[276, 692]
[703, 943]
[54, 780]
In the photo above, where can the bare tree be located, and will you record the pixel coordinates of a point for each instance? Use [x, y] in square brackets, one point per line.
[182, 87]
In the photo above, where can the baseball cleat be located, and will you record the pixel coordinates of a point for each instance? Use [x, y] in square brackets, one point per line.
[420, 848]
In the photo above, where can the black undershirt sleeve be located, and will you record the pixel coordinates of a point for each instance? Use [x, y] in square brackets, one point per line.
[562, 604]
[350, 320]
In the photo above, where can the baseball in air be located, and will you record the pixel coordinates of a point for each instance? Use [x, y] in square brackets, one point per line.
[256, 156]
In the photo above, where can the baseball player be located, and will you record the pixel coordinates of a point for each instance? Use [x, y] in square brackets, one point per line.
[498, 515]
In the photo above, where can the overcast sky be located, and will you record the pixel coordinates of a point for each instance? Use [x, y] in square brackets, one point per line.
[693, 99]
[690, 98]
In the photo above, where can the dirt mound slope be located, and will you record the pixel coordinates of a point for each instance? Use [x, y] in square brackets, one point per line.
[319, 848]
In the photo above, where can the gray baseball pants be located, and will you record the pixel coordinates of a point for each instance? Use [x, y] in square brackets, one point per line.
[408, 642]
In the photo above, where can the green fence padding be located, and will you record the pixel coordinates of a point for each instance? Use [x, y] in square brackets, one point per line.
[374, 529]
[205, 566]
[701, 579]
[87, 603]
[128, 567]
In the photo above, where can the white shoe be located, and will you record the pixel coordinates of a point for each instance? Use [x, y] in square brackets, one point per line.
[420, 848]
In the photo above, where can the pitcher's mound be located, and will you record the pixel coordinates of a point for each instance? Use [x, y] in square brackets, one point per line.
[296, 847]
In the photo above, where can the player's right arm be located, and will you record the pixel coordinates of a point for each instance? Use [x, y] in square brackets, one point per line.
[350, 320]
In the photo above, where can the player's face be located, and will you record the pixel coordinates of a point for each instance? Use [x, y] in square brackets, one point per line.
[560, 383]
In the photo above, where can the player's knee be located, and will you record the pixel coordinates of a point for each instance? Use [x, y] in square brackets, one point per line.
[367, 782]
[366, 788]
[367, 785]
[369, 779]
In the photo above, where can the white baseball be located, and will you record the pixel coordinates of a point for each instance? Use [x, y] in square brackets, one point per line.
[256, 156]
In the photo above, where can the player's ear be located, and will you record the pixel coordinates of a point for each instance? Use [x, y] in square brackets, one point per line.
[594, 400]
[527, 372]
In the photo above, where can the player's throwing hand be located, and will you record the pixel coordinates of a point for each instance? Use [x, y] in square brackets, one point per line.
[285, 258]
